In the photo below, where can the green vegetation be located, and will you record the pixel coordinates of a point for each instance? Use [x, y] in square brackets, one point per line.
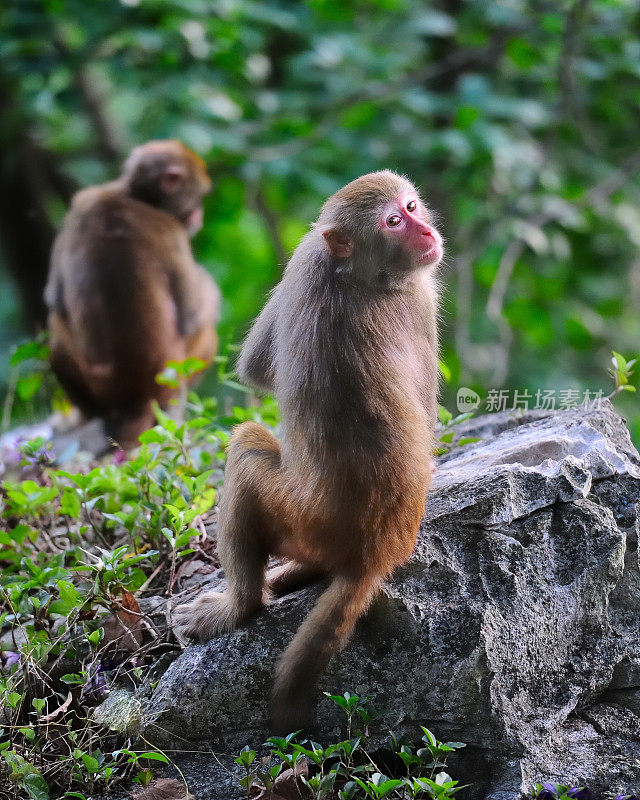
[79, 552]
[518, 119]
[348, 770]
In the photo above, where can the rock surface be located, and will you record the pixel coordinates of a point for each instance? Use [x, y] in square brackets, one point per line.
[514, 628]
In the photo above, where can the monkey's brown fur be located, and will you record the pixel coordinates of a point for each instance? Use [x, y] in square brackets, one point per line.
[124, 293]
[349, 347]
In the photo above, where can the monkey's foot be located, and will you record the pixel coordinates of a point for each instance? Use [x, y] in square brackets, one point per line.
[208, 615]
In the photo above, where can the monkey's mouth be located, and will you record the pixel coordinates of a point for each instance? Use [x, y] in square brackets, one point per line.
[430, 256]
[193, 221]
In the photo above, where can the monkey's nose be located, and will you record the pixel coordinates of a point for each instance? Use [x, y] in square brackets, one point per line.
[428, 232]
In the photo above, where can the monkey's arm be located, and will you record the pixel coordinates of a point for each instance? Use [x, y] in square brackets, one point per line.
[195, 294]
[54, 289]
[255, 363]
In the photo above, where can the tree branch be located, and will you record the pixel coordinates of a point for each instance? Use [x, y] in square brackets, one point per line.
[111, 139]
[258, 202]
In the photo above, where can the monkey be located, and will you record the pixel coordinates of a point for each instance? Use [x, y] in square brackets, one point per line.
[348, 344]
[124, 294]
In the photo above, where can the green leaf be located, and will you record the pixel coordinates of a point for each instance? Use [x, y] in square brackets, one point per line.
[154, 756]
[69, 594]
[463, 417]
[19, 498]
[36, 786]
[348, 790]
[38, 703]
[80, 480]
[73, 679]
[95, 637]
[429, 737]
[153, 435]
[70, 503]
[13, 698]
[91, 764]
[28, 386]
[144, 777]
[23, 352]
[168, 377]
[619, 361]
[246, 757]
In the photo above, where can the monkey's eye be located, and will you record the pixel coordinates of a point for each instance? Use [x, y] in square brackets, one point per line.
[411, 206]
[394, 220]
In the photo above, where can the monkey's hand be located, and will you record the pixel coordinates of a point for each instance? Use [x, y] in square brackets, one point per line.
[208, 615]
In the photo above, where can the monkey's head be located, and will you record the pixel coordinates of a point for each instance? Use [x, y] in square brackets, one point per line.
[169, 176]
[379, 223]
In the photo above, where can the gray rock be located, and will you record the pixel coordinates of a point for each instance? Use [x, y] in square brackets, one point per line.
[515, 626]
[120, 712]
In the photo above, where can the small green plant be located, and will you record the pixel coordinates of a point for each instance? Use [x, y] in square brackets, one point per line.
[447, 436]
[447, 439]
[621, 372]
[177, 375]
[346, 770]
[29, 377]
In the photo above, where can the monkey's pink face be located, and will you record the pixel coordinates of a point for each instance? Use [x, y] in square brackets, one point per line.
[403, 220]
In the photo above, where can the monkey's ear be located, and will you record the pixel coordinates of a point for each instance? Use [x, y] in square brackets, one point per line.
[338, 243]
[171, 178]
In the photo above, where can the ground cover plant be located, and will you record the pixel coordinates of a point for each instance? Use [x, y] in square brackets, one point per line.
[79, 548]
[299, 767]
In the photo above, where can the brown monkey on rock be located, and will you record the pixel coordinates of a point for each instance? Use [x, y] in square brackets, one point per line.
[348, 344]
[124, 293]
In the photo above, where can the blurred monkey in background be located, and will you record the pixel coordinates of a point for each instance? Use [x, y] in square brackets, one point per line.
[124, 294]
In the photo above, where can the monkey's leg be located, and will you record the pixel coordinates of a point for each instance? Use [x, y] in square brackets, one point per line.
[253, 463]
[290, 576]
[68, 367]
[326, 629]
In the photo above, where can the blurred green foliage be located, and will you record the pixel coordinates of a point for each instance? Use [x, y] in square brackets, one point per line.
[518, 119]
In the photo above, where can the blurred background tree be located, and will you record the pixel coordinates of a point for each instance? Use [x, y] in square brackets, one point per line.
[519, 120]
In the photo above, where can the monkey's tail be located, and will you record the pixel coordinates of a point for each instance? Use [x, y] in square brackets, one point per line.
[326, 629]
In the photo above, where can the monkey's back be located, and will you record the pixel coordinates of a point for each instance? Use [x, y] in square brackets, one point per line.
[111, 260]
[357, 383]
